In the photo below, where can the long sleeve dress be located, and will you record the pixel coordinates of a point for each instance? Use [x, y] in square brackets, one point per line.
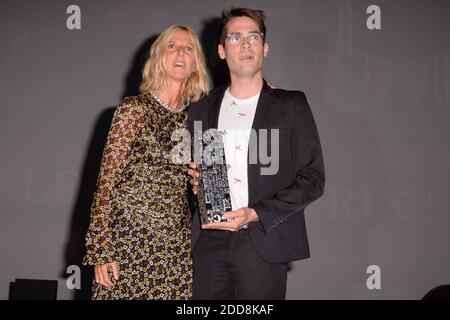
[139, 215]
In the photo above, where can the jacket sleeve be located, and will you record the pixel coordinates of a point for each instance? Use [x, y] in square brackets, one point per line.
[307, 160]
[99, 247]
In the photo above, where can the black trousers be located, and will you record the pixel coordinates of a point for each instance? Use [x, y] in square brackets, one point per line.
[226, 266]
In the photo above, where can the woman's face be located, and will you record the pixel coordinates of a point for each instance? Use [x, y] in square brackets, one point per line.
[179, 56]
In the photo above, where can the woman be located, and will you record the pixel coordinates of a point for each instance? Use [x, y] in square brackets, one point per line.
[139, 234]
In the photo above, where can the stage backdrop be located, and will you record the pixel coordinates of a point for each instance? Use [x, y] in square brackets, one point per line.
[376, 74]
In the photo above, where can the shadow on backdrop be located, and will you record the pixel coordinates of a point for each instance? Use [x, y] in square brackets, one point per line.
[209, 38]
[75, 245]
[134, 76]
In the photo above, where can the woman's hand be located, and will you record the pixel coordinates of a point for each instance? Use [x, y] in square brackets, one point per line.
[194, 175]
[101, 273]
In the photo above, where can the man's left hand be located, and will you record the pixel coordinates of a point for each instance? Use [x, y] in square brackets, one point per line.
[239, 218]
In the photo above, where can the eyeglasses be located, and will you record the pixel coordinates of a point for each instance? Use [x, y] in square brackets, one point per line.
[172, 47]
[236, 38]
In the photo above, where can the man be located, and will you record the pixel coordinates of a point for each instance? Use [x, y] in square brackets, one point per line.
[248, 257]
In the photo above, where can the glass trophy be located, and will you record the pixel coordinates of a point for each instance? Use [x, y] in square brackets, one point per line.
[214, 197]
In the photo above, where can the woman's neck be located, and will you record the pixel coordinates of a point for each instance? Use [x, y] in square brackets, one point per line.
[171, 94]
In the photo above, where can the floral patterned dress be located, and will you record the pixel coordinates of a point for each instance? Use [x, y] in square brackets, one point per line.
[140, 216]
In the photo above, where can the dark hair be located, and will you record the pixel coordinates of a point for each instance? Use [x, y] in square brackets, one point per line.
[256, 15]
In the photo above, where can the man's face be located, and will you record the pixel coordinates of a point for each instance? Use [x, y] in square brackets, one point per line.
[244, 59]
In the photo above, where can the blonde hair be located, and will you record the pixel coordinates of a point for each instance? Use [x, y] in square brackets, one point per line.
[154, 76]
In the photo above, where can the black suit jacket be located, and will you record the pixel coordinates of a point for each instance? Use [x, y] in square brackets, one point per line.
[279, 199]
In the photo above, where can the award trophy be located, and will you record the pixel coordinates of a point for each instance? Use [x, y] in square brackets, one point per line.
[214, 197]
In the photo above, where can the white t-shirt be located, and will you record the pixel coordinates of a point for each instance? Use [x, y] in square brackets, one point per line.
[235, 123]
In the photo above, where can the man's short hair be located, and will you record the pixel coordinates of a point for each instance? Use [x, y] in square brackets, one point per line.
[256, 15]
